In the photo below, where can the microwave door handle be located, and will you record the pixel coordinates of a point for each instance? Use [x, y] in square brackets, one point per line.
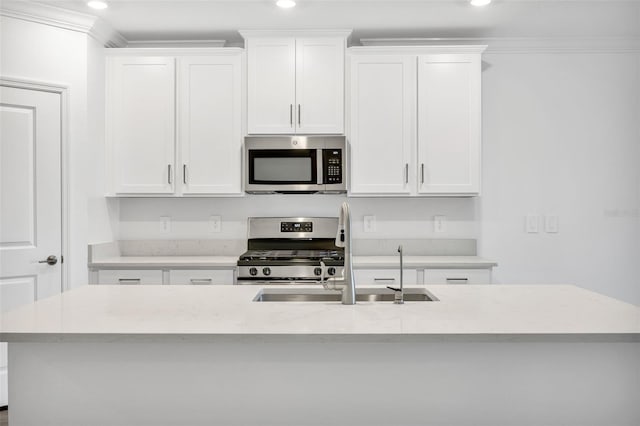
[319, 166]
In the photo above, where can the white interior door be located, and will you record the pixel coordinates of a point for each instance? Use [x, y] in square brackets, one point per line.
[30, 201]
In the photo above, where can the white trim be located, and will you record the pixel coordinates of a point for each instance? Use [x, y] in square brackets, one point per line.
[175, 43]
[519, 44]
[294, 33]
[63, 91]
[417, 50]
[172, 51]
[63, 18]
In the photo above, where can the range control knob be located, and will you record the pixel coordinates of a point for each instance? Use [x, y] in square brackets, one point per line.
[317, 271]
[331, 271]
[253, 271]
[266, 271]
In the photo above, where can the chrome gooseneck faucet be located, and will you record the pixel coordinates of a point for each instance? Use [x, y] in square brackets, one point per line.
[343, 239]
[399, 292]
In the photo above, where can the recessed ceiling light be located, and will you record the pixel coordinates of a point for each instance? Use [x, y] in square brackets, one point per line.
[97, 4]
[480, 2]
[285, 4]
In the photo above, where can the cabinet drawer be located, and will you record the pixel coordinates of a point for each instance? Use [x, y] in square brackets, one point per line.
[457, 276]
[384, 277]
[200, 276]
[130, 276]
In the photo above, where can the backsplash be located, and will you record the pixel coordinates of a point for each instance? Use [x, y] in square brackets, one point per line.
[191, 218]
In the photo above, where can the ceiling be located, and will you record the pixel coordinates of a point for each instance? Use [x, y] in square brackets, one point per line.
[220, 19]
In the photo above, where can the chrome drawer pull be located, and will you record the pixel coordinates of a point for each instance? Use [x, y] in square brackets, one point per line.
[201, 281]
[457, 280]
[129, 280]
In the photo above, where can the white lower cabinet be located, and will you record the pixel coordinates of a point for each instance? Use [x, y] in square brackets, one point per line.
[384, 277]
[130, 276]
[457, 276]
[200, 276]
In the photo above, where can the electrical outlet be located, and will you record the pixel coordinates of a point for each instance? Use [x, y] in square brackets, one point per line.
[369, 224]
[215, 223]
[439, 224]
[165, 224]
[532, 223]
[551, 224]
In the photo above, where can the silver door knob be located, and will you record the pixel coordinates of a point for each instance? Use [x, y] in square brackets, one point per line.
[51, 260]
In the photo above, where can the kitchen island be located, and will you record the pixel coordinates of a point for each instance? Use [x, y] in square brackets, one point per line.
[196, 355]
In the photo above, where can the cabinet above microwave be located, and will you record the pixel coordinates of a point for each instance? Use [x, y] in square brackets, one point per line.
[295, 164]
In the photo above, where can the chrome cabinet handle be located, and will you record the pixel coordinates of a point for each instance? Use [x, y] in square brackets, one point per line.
[406, 173]
[299, 115]
[50, 260]
[457, 280]
[184, 174]
[169, 174]
[201, 281]
[129, 280]
[291, 114]
[384, 279]
[422, 173]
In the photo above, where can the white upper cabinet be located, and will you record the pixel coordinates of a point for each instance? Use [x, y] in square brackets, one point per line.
[449, 123]
[295, 82]
[174, 123]
[417, 108]
[140, 123]
[209, 124]
[382, 104]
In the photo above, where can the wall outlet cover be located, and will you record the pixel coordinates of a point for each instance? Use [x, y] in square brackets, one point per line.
[165, 224]
[215, 223]
[532, 223]
[439, 224]
[369, 223]
[551, 225]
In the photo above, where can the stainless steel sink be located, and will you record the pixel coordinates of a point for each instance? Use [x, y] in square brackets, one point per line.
[322, 295]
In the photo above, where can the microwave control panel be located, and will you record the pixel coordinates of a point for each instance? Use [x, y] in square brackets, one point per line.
[332, 165]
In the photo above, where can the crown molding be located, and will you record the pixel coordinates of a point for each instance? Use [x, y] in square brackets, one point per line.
[295, 33]
[176, 43]
[519, 44]
[63, 18]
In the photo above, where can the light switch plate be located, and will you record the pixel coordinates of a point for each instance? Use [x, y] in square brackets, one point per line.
[215, 223]
[532, 223]
[369, 223]
[439, 224]
[551, 225]
[165, 224]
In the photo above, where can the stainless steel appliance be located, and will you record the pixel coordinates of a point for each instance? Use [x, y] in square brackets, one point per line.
[295, 164]
[291, 250]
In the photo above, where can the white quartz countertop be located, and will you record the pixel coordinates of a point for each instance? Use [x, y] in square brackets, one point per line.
[360, 262]
[217, 312]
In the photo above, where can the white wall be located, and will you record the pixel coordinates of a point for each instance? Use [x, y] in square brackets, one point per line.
[562, 137]
[44, 53]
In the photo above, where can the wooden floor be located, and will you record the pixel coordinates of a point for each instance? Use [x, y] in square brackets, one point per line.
[4, 421]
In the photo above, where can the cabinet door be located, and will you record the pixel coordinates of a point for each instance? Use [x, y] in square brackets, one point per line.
[320, 85]
[201, 277]
[209, 124]
[271, 85]
[449, 124]
[130, 276]
[457, 276]
[382, 136]
[385, 277]
[140, 124]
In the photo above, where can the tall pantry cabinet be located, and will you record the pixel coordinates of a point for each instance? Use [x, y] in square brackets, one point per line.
[415, 124]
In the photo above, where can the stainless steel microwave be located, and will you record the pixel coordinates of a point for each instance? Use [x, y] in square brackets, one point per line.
[295, 164]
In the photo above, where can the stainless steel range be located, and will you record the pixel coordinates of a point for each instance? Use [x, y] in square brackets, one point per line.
[291, 250]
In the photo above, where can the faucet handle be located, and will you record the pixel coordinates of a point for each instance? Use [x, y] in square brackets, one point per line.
[394, 288]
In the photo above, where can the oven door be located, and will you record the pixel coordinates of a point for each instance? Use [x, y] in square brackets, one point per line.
[283, 170]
